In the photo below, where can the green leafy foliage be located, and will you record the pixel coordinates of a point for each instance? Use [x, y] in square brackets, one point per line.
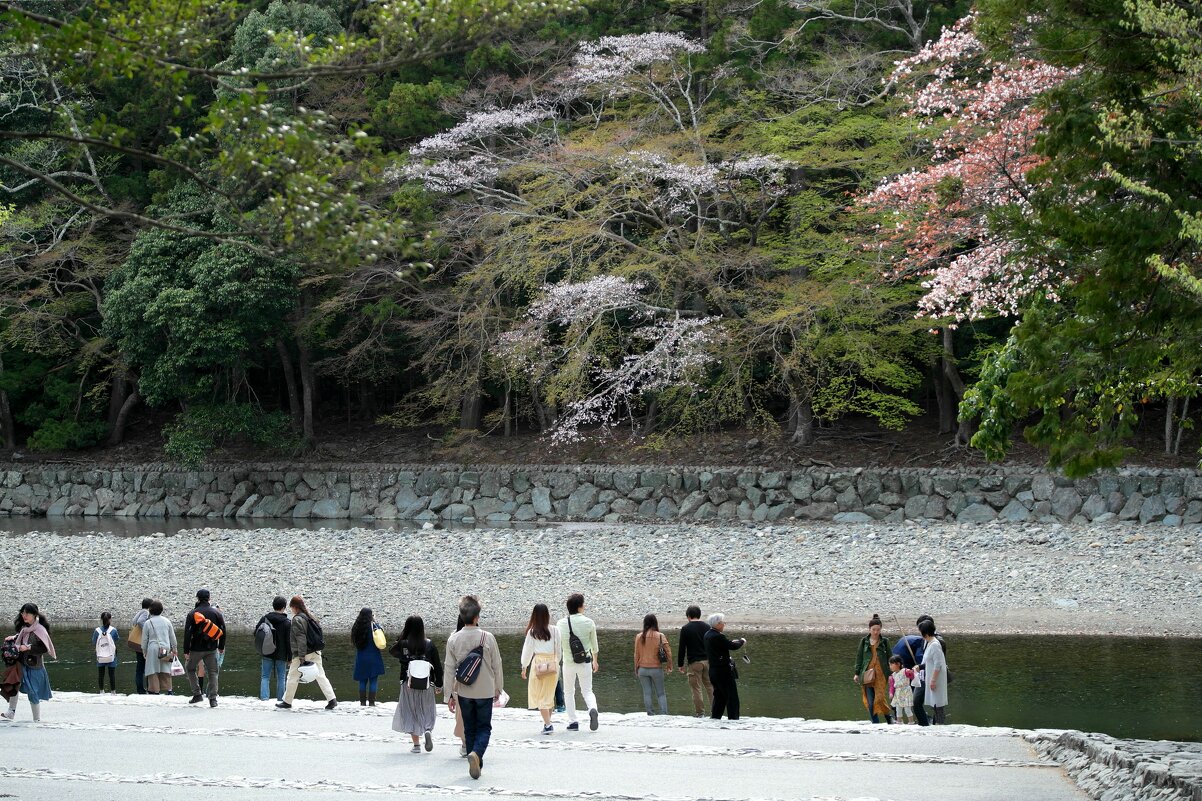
[189, 312]
[198, 432]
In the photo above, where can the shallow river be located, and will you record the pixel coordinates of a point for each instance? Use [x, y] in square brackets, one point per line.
[1128, 687]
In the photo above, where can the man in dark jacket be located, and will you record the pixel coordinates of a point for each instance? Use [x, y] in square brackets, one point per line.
[910, 648]
[722, 668]
[277, 662]
[204, 639]
[691, 650]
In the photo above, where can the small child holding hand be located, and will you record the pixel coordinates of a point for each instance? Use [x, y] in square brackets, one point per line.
[901, 690]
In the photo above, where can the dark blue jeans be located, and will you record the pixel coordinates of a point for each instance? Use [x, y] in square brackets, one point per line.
[267, 668]
[477, 724]
[140, 673]
[920, 711]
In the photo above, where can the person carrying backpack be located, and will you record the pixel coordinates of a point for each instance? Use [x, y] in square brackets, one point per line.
[307, 641]
[275, 651]
[421, 679]
[474, 680]
[204, 639]
[104, 641]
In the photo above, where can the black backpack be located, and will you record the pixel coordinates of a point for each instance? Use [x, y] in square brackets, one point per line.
[579, 655]
[468, 669]
[314, 639]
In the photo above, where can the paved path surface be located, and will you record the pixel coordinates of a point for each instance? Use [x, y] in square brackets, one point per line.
[131, 749]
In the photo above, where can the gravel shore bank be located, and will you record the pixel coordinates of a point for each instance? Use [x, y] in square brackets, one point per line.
[988, 578]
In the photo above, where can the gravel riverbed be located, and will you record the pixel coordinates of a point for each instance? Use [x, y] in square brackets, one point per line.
[995, 578]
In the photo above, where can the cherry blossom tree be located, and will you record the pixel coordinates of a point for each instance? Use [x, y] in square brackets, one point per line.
[670, 348]
[988, 118]
[545, 215]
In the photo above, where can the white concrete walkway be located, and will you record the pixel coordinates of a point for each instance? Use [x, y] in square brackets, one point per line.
[134, 748]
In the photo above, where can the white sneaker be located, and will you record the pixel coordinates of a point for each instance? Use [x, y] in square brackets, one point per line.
[462, 750]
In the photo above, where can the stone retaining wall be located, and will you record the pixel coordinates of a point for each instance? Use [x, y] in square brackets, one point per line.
[1127, 770]
[498, 494]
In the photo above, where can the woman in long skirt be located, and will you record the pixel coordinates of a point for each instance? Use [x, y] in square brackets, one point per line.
[33, 643]
[421, 678]
[541, 653]
[872, 673]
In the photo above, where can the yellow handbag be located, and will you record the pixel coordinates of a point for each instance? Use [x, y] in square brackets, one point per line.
[377, 636]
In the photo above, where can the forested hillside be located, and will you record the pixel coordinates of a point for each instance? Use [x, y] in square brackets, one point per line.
[254, 220]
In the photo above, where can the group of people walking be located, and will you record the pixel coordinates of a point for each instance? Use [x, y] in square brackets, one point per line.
[916, 675]
[558, 660]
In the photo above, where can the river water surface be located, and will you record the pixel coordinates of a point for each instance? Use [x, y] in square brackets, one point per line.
[1125, 686]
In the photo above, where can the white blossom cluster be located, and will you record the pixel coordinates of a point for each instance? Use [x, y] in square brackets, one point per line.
[610, 59]
[465, 152]
[448, 176]
[682, 185]
[564, 304]
[481, 125]
[680, 348]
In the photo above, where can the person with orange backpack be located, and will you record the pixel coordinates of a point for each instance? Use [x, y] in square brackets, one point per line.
[204, 642]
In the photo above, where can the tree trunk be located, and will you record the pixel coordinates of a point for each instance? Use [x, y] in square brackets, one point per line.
[294, 401]
[117, 394]
[801, 421]
[944, 399]
[540, 411]
[470, 408]
[366, 407]
[1170, 408]
[6, 415]
[117, 432]
[651, 418]
[1181, 426]
[506, 410]
[964, 431]
[307, 390]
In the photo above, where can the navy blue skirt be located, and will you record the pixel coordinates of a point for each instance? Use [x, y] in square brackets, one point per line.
[368, 663]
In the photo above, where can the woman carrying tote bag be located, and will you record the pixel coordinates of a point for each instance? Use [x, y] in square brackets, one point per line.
[159, 645]
[541, 653]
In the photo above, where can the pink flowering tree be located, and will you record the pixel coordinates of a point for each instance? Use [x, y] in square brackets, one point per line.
[987, 119]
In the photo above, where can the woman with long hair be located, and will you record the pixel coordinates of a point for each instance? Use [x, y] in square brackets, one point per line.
[369, 664]
[298, 637]
[32, 642]
[541, 653]
[652, 658]
[421, 678]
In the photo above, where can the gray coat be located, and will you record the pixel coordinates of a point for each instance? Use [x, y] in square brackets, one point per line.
[156, 631]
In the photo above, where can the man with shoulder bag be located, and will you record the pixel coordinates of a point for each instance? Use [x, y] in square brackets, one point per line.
[580, 660]
[135, 644]
[204, 643]
[474, 681]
